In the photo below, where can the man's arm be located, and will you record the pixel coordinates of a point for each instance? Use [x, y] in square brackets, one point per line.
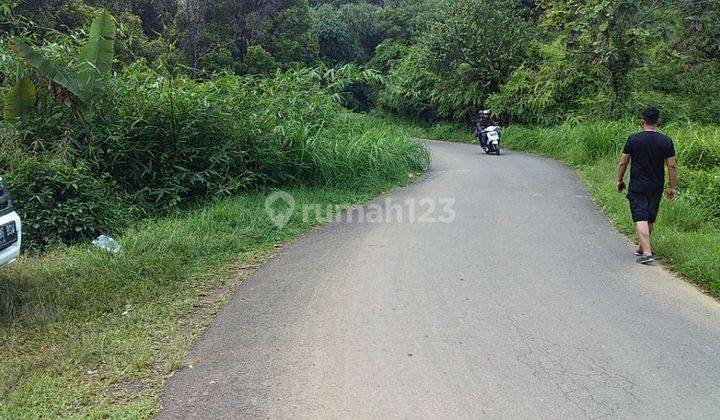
[672, 173]
[622, 168]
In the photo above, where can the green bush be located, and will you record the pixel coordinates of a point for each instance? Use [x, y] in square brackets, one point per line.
[386, 55]
[60, 202]
[459, 61]
[437, 130]
[699, 145]
[684, 92]
[169, 143]
[547, 92]
[408, 87]
[577, 144]
[258, 61]
[703, 188]
[551, 87]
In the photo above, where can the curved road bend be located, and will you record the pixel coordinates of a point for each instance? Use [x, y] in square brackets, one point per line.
[528, 305]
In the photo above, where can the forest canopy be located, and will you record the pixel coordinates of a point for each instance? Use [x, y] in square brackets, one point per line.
[533, 61]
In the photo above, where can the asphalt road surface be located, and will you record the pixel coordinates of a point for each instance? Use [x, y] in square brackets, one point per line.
[527, 305]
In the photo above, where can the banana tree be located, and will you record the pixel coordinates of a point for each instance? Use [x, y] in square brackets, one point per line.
[82, 83]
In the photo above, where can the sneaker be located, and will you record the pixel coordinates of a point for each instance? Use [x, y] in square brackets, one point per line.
[645, 259]
[638, 252]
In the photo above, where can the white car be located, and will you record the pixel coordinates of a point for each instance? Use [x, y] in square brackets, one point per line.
[10, 229]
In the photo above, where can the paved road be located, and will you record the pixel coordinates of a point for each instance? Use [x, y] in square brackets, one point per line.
[527, 305]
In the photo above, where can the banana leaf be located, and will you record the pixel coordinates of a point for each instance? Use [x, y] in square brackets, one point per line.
[48, 70]
[20, 99]
[97, 55]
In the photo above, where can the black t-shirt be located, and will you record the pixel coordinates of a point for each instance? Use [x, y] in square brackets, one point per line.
[648, 151]
[485, 123]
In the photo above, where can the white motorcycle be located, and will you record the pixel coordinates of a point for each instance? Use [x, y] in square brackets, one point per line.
[493, 140]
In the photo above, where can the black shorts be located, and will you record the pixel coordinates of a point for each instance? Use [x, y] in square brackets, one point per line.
[644, 207]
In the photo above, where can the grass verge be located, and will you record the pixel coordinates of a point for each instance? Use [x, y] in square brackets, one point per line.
[91, 334]
[687, 235]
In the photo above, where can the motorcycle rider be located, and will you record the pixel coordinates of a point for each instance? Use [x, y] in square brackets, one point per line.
[483, 122]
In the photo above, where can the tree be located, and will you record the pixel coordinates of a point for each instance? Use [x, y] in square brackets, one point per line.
[607, 37]
[407, 20]
[258, 61]
[364, 25]
[409, 86]
[217, 34]
[386, 55]
[702, 29]
[335, 42]
[290, 37]
[192, 20]
[462, 58]
[283, 27]
[156, 15]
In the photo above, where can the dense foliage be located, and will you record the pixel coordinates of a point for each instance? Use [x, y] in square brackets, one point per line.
[161, 143]
[94, 151]
[607, 59]
[462, 57]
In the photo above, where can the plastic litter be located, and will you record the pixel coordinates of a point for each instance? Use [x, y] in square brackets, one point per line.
[107, 243]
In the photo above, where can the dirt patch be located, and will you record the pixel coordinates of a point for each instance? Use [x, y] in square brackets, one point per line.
[209, 301]
[127, 389]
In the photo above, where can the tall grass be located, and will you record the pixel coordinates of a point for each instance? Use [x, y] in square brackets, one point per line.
[688, 230]
[697, 145]
[161, 144]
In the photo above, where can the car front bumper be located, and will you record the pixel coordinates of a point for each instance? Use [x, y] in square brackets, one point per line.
[11, 253]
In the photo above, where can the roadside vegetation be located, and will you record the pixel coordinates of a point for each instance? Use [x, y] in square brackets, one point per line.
[159, 144]
[164, 123]
[174, 162]
[180, 182]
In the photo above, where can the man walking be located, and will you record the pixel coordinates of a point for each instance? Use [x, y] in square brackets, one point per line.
[647, 152]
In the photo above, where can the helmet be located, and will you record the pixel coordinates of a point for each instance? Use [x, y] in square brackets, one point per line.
[485, 112]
